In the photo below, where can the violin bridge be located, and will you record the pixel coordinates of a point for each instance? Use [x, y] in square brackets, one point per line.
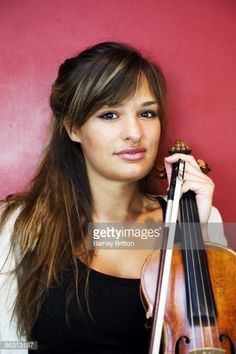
[207, 351]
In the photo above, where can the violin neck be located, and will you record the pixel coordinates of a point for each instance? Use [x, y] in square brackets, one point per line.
[198, 286]
[189, 219]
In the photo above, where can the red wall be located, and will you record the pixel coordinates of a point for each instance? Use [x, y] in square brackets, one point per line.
[194, 41]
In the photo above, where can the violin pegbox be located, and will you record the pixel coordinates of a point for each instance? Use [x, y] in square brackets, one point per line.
[179, 147]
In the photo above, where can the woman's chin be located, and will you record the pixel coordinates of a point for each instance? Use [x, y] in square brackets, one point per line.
[133, 176]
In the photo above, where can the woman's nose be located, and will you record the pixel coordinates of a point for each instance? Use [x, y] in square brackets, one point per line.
[132, 129]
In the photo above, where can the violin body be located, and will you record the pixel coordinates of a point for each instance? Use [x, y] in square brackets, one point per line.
[179, 336]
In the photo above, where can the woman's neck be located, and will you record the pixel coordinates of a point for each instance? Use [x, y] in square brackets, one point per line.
[116, 201]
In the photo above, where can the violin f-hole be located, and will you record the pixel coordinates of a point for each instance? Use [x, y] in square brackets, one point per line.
[222, 336]
[183, 338]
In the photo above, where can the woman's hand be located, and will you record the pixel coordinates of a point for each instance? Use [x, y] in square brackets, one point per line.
[195, 180]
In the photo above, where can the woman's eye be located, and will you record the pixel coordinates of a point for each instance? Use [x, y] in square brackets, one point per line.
[149, 114]
[108, 116]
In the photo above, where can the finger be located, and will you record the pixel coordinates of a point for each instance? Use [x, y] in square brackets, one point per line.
[201, 189]
[195, 172]
[190, 164]
[168, 167]
[194, 179]
[187, 158]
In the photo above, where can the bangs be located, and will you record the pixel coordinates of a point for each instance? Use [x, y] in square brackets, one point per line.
[112, 83]
[112, 79]
[121, 86]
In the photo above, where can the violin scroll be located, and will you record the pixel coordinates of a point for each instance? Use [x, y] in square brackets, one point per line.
[203, 166]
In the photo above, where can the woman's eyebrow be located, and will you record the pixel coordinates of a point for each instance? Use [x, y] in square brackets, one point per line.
[149, 103]
[144, 104]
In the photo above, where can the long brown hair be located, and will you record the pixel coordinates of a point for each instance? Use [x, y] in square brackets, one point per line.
[57, 207]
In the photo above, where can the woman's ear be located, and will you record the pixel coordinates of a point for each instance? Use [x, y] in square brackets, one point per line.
[72, 132]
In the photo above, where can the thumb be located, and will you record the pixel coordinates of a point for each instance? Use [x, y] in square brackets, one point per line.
[168, 167]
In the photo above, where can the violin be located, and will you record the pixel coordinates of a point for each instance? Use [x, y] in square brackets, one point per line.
[199, 313]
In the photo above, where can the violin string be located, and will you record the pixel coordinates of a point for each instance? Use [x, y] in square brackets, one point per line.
[194, 250]
[188, 277]
[210, 328]
[188, 210]
[198, 249]
[189, 251]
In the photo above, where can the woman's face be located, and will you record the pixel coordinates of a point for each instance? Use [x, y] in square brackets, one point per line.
[120, 143]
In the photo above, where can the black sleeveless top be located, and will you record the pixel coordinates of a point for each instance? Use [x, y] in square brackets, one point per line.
[115, 324]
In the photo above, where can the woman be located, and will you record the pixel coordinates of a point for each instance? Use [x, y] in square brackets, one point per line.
[108, 107]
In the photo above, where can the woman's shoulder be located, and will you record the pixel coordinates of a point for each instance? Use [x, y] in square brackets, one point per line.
[7, 223]
[8, 280]
[216, 227]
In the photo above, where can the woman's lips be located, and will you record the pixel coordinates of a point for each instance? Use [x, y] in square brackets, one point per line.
[131, 154]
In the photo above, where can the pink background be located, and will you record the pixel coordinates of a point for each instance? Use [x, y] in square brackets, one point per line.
[194, 41]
